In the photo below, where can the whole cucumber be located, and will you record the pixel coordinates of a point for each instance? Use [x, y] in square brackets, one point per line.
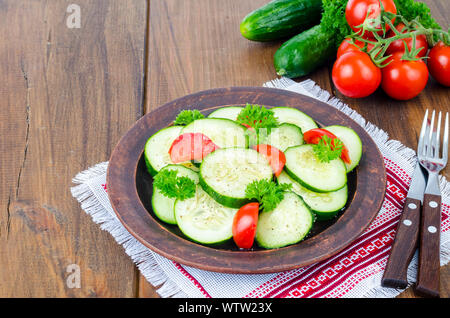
[304, 52]
[280, 19]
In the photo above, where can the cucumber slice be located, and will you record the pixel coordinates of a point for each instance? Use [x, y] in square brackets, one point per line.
[351, 140]
[156, 152]
[230, 112]
[204, 220]
[287, 224]
[162, 205]
[294, 116]
[285, 136]
[226, 172]
[223, 132]
[324, 205]
[303, 166]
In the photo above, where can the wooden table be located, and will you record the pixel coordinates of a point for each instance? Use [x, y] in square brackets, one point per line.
[68, 94]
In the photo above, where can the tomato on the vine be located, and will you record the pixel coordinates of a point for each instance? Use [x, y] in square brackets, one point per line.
[404, 79]
[439, 63]
[399, 45]
[347, 46]
[357, 11]
[355, 75]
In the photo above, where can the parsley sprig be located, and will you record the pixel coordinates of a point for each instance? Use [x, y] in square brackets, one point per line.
[186, 117]
[257, 117]
[328, 149]
[173, 186]
[268, 193]
[259, 120]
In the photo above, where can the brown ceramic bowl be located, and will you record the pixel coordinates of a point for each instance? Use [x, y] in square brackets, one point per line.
[130, 189]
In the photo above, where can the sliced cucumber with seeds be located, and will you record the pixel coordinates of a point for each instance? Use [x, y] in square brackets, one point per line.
[324, 205]
[294, 116]
[230, 112]
[303, 166]
[223, 132]
[287, 224]
[225, 174]
[203, 219]
[162, 205]
[285, 136]
[351, 140]
[156, 152]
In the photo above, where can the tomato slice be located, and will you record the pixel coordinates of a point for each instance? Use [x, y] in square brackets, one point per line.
[314, 135]
[244, 225]
[276, 157]
[191, 146]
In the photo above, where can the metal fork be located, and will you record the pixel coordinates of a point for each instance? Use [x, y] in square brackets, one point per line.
[433, 161]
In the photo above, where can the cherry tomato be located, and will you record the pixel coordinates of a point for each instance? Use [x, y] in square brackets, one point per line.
[347, 46]
[439, 63]
[399, 45]
[404, 79]
[276, 157]
[314, 135]
[244, 225]
[355, 75]
[191, 146]
[356, 13]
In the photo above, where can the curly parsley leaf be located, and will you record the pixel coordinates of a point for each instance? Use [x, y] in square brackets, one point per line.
[328, 149]
[333, 20]
[411, 9]
[268, 193]
[186, 117]
[173, 186]
[257, 117]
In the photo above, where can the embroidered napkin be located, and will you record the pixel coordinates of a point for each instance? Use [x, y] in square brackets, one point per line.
[354, 272]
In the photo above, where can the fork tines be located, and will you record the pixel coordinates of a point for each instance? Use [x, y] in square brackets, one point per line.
[429, 139]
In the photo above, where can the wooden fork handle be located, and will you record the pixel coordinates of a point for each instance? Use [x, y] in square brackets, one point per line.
[429, 251]
[404, 246]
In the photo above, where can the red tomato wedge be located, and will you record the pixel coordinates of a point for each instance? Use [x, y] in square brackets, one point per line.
[314, 135]
[276, 157]
[244, 225]
[191, 146]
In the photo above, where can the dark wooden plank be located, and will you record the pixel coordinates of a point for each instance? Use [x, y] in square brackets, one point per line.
[197, 45]
[67, 97]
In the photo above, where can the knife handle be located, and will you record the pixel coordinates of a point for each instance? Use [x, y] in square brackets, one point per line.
[429, 251]
[404, 246]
